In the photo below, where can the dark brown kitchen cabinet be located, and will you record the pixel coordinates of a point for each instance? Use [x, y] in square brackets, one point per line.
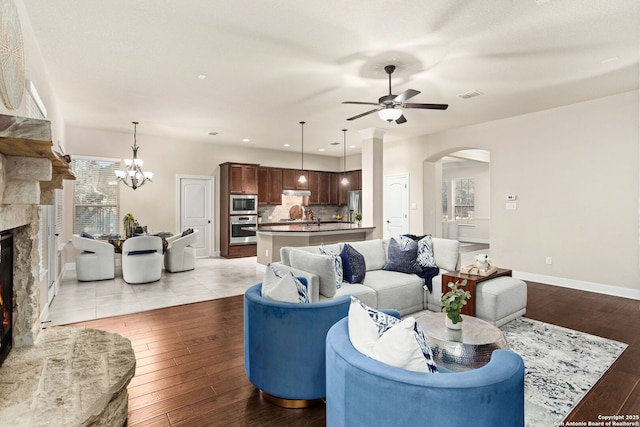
[269, 186]
[324, 188]
[314, 182]
[243, 178]
[290, 179]
[355, 183]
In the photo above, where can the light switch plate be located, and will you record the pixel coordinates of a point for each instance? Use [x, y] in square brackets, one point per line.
[511, 206]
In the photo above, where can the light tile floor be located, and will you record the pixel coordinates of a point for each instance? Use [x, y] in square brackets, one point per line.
[212, 278]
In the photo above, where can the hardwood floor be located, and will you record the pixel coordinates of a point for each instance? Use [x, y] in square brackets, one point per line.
[190, 366]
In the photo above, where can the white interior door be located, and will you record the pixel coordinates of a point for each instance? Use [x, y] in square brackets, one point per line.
[396, 205]
[195, 194]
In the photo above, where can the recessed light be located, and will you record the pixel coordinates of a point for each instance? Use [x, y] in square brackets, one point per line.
[246, 140]
[287, 145]
[352, 146]
[612, 59]
[212, 133]
[201, 76]
[470, 94]
[320, 149]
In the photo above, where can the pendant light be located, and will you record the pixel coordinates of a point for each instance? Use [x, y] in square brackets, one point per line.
[344, 180]
[302, 178]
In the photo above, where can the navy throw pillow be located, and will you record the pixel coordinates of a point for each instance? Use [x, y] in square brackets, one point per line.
[187, 232]
[353, 264]
[403, 256]
[87, 235]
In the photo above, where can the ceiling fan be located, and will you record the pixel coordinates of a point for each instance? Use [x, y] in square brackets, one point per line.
[387, 104]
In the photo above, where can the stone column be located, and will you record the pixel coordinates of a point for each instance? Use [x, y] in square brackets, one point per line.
[372, 180]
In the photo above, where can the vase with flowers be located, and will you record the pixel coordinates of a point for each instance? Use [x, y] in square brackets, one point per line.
[128, 225]
[358, 217]
[452, 303]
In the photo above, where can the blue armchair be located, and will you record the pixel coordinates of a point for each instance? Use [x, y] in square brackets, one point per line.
[363, 391]
[284, 346]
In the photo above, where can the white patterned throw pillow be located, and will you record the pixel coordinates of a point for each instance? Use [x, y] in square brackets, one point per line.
[337, 263]
[284, 287]
[399, 343]
[425, 252]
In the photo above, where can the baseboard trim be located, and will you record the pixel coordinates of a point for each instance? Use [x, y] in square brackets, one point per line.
[582, 285]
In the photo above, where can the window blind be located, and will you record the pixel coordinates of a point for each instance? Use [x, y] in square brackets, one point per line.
[96, 196]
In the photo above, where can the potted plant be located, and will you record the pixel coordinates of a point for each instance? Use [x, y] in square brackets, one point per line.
[452, 303]
[260, 215]
[358, 217]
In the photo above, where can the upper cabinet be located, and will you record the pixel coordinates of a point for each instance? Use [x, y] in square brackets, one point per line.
[290, 179]
[325, 187]
[269, 186]
[243, 178]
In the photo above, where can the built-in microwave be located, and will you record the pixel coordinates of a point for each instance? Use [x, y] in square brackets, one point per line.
[242, 204]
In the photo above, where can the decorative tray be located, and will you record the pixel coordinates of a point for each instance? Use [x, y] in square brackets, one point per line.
[471, 269]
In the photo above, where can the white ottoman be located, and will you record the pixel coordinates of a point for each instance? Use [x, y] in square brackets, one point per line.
[501, 300]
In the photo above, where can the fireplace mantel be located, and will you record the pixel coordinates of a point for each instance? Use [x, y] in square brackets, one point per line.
[32, 169]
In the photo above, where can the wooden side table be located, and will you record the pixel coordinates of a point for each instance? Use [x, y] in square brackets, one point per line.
[472, 280]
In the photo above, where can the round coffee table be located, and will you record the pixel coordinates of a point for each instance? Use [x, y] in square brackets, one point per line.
[463, 349]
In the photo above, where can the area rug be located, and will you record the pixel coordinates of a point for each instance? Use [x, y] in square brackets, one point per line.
[561, 366]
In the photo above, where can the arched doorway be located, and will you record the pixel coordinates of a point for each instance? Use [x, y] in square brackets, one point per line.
[457, 190]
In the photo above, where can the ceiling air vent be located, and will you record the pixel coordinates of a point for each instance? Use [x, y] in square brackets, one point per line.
[469, 94]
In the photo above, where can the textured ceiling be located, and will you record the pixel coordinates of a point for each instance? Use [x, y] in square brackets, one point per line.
[271, 64]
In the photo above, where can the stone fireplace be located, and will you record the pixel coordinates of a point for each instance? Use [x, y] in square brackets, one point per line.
[68, 375]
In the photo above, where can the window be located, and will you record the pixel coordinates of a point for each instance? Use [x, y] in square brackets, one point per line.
[464, 200]
[96, 207]
[445, 199]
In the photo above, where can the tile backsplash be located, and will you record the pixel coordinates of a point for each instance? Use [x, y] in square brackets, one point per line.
[274, 213]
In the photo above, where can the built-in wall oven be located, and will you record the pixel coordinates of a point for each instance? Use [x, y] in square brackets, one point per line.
[243, 204]
[238, 234]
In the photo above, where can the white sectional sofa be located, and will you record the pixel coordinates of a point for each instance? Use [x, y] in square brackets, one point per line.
[380, 288]
[498, 300]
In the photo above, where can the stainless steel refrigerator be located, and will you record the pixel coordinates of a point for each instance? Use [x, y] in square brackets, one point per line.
[355, 203]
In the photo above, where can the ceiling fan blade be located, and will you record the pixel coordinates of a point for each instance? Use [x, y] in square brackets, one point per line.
[427, 106]
[360, 103]
[401, 120]
[409, 93]
[364, 114]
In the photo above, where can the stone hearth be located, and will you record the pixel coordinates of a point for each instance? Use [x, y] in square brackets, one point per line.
[70, 377]
[59, 376]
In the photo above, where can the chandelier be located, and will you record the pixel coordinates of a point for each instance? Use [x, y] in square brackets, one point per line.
[134, 177]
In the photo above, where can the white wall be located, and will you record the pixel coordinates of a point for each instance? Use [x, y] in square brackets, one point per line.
[575, 170]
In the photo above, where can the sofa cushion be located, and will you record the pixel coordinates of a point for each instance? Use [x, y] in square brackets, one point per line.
[285, 251]
[281, 286]
[373, 252]
[399, 343]
[320, 265]
[337, 263]
[403, 256]
[353, 264]
[400, 291]
[364, 293]
[445, 252]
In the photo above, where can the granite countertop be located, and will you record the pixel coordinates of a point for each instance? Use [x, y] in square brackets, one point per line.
[310, 227]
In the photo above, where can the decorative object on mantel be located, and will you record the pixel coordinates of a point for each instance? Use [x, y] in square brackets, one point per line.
[302, 178]
[134, 177]
[452, 303]
[344, 180]
[12, 48]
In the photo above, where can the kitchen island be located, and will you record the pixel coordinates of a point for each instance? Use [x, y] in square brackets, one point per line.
[271, 238]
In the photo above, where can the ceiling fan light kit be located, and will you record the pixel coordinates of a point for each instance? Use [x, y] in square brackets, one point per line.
[389, 107]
